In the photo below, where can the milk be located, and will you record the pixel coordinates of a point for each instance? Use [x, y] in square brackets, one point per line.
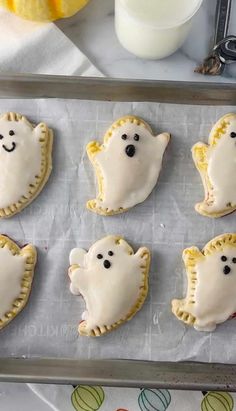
[154, 28]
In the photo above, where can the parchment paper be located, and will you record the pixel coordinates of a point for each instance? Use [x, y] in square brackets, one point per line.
[58, 221]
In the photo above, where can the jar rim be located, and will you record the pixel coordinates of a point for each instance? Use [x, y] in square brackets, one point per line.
[159, 26]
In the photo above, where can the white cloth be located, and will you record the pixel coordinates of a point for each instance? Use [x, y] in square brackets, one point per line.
[29, 47]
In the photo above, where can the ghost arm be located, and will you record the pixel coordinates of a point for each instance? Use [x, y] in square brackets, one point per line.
[29, 251]
[43, 134]
[93, 148]
[77, 256]
[162, 141]
[96, 154]
[143, 254]
[191, 256]
[199, 153]
[78, 279]
[74, 274]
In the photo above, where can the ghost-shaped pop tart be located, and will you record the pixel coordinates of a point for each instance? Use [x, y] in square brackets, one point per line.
[113, 281]
[216, 163]
[25, 162]
[16, 275]
[127, 165]
[211, 273]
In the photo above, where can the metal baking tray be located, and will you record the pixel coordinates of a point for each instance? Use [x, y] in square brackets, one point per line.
[126, 373]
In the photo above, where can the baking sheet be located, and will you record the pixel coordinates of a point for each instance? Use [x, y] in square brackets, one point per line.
[58, 221]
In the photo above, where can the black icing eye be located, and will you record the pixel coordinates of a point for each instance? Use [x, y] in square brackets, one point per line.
[110, 253]
[11, 133]
[1, 136]
[234, 260]
[136, 137]
[124, 136]
[99, 256]
[233, 134]
[107, 264]
[223, 258]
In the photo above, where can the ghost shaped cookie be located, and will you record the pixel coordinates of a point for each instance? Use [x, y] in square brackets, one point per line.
[113, 281]
[216, 163]
[127, 165]
[211, 287]
[16, 275]
[25, 161]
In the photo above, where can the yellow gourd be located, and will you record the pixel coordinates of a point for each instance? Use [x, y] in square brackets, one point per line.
[217, 401]
[85, 398]
[44, 10]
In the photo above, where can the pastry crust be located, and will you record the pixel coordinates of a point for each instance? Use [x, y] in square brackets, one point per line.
[34, 188]
[200, 153]
[144, 257]
[30, 254]
[183, 309]
[94, 148]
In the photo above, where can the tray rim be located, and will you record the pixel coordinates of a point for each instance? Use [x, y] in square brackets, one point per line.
[125, 373]
[108, 89]
[193, 376]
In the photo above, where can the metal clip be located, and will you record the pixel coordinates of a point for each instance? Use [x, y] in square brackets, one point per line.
[224, 50]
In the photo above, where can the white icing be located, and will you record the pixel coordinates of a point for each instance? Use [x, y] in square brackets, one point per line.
[84, 315]
[222, 170]
[74, 290]
[19, 167]
[77, 256]
[110, 293]
[214, 298]
[128, 181]
[12, 269]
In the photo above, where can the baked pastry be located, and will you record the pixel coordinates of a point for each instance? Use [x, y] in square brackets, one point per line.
[25, 158]
[113, 282]
[127, 165]
[16, 275]
[211, 288]
[216, 163]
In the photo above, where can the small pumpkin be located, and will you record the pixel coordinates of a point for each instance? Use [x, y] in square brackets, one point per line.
[217, 401]
[150, 400]
[86, 398]
[44, 10]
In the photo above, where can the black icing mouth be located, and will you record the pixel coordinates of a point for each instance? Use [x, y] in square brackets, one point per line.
[107, 264]
[9, 150]
[130, 150]
[226, 269]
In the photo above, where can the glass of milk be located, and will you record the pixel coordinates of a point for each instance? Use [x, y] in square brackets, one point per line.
[154, 29]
